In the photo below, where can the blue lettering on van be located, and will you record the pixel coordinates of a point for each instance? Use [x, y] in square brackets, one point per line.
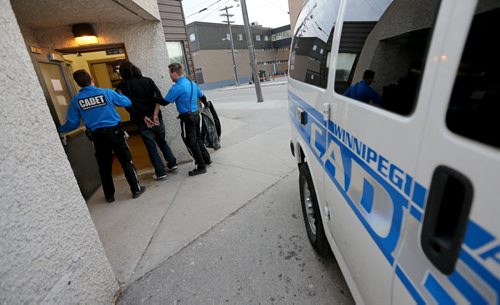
[350, 163]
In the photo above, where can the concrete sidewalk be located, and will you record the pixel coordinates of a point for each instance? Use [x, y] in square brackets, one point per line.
[139, 234]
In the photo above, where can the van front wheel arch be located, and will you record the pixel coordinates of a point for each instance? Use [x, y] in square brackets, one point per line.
[312, 212]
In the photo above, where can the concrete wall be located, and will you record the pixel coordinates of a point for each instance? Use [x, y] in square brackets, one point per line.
[145, 45]
[50, 252]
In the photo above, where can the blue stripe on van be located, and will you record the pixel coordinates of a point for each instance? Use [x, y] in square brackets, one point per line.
[480, 270]
[476, 237]
[466, 289]
[408, 284]
[437, 291]
[416, 213]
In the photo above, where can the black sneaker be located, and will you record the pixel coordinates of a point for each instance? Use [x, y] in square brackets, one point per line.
[160, 178]
[110, 199]
[198, 171]
[172, 168]
[139, 192]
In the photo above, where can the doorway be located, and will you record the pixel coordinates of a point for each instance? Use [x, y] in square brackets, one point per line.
[103, 63]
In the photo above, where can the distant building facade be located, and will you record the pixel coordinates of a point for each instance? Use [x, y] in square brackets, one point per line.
[211, 50]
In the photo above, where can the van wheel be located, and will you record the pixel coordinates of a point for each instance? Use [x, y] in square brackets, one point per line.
[311, 212]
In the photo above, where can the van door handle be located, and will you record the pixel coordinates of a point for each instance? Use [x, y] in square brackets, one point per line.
[326, 111]
[446, 216]
[301, 115]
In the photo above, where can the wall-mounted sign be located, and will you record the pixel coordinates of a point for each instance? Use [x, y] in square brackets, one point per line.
[114, 51]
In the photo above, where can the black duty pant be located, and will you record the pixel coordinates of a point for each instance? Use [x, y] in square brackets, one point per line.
[106, 141]
[190, 130]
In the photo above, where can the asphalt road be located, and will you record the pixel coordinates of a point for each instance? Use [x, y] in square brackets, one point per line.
[260, 254]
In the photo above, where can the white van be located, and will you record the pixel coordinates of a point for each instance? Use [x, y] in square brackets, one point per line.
[402, 180]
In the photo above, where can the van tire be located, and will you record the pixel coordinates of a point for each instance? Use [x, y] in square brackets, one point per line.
[312, 213]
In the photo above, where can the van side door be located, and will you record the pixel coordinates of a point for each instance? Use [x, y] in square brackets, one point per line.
[451, 249]
[374, 135]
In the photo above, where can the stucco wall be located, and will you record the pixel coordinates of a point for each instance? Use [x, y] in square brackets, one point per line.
[151, 6]
[50, 252]
[145, 45]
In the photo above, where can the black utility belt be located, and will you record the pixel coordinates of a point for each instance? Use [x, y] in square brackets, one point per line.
[187, 115]
[107, 129]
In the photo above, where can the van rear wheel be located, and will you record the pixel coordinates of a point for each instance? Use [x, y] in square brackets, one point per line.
[311, 212]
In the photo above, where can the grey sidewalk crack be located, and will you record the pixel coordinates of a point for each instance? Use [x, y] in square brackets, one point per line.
[154, 233]
[207, 230]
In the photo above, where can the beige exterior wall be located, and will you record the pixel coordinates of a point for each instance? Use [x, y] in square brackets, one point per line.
[217, 65]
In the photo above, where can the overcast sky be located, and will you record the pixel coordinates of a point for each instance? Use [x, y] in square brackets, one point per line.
[268, 13]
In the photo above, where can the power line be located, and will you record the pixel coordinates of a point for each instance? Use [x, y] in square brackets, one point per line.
[203, 9]
[214, 10]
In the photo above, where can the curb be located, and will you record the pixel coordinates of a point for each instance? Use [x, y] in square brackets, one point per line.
[252, 86]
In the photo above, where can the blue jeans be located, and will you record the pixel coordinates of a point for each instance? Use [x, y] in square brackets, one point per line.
[156, 136]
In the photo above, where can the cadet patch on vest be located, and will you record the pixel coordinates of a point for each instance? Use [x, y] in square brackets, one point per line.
[92, 102]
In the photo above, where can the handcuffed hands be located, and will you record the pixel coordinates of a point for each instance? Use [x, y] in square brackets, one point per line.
[149, 122]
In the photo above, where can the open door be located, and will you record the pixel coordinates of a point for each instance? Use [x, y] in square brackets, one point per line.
[78, 148]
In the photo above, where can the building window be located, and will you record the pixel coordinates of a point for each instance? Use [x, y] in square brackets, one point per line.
[398, 53]
[240, 37]
[192, 37]
[281, 35]
[257, 37]
[315, 47]
[266, 38]
[176, 54]
[228, 36]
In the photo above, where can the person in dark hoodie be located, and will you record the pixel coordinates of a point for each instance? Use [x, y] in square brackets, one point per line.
[145, 112]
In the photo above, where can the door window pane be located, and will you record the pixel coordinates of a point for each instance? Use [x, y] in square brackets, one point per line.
[474, 107]
[312, 42]
[176, 53]
[389, 38]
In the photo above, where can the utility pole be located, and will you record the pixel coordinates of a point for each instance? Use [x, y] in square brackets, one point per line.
[227, 15]
[251, 50]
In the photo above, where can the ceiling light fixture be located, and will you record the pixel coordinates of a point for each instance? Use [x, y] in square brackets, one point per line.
[84, 34]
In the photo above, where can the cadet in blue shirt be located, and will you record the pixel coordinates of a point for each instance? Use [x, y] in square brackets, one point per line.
[185, 94]
[96, 107]
[362, 91]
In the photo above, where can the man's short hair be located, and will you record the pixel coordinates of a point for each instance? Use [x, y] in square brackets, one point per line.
[369, 74]
[82, 78]
[176, 67]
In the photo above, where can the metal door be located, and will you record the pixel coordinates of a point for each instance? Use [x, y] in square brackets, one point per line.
[79, 149]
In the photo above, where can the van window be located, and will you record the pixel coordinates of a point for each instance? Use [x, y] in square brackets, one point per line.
[474, 109]
[391, 39]
[312, 42]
